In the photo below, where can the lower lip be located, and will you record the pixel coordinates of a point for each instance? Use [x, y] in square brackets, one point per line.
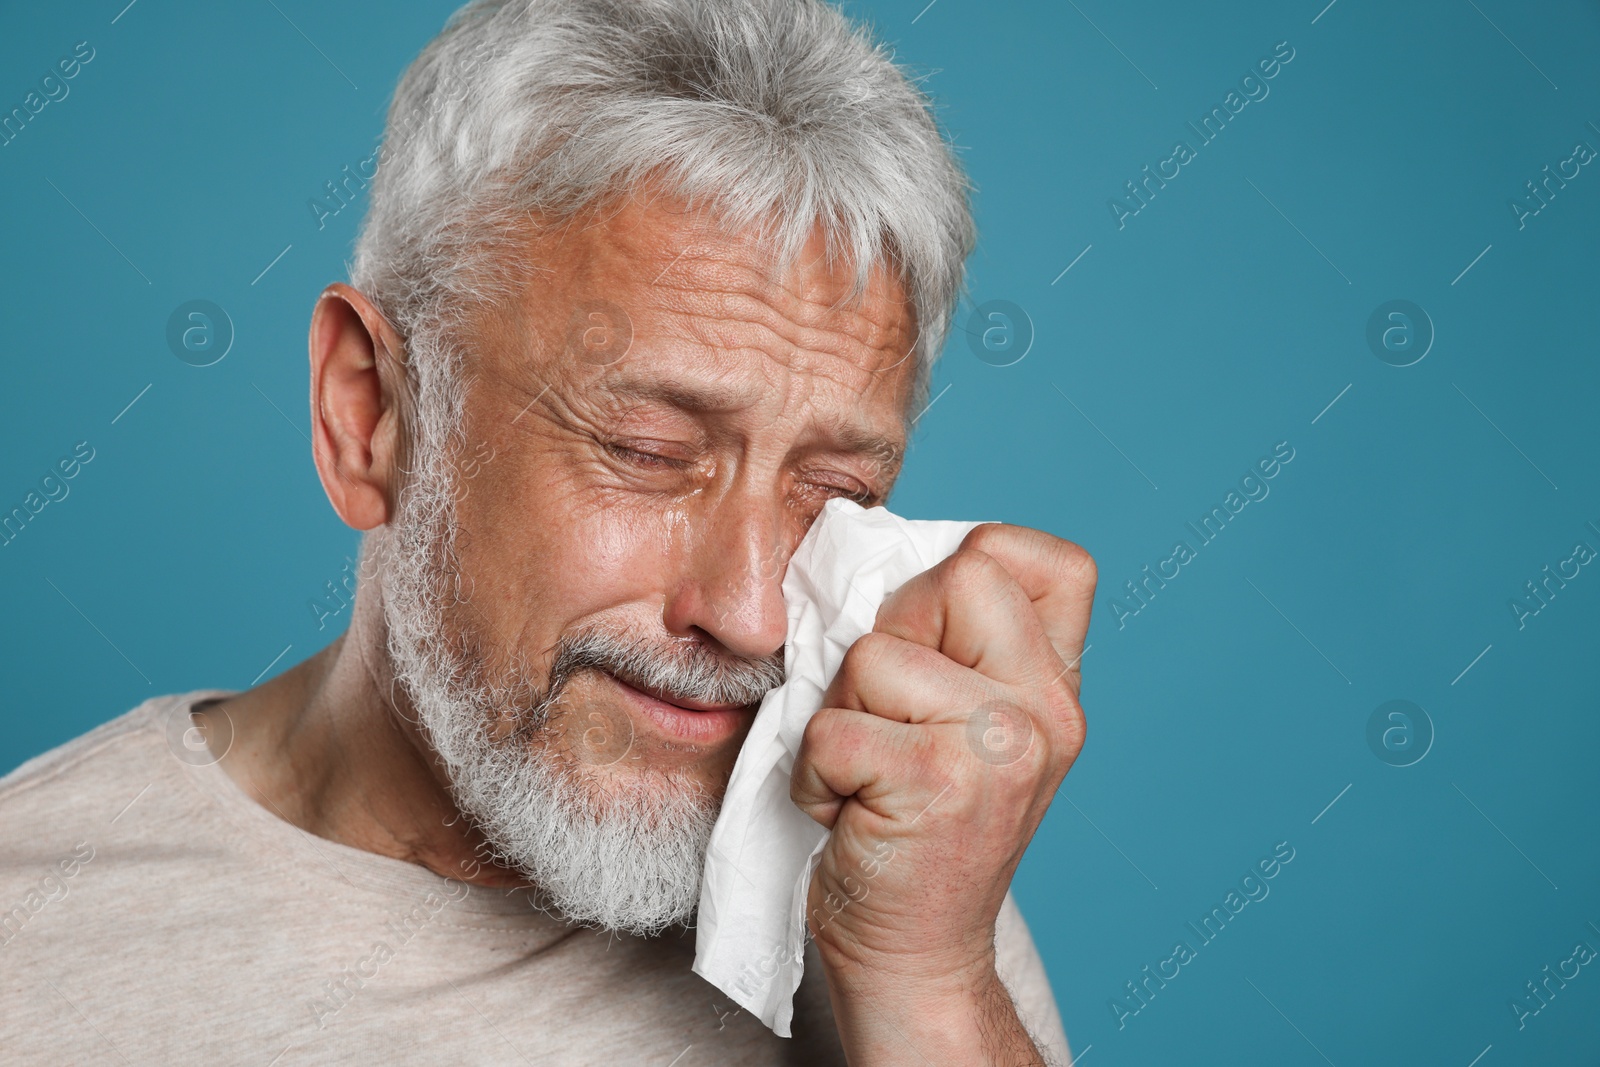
[684, 724]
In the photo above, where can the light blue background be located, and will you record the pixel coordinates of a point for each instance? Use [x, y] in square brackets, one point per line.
[1208, 329]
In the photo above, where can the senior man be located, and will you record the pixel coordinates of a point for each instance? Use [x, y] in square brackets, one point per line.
[643, 285]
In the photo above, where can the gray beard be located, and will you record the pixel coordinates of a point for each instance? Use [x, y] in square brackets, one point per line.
[622, 849]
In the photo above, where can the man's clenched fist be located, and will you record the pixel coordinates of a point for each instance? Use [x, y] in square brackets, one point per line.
[938, 748]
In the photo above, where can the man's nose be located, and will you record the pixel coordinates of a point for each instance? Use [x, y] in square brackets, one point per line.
[732, 582]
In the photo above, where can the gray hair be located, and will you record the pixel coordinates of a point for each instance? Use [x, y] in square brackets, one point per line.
[780, 115]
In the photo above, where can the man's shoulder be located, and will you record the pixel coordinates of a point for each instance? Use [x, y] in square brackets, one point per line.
[49, 765]
[86, 781]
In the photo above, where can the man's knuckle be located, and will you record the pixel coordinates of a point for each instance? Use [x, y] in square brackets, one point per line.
[970, 570]
[1076, 563]
[870, 653]
[1059, 701]
[827, 730]
[1064, 716]
[991, 535]
[817, 729]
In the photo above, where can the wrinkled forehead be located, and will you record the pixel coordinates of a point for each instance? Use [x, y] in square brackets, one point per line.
[650, 291]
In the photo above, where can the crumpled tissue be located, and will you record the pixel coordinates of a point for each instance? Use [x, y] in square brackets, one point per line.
[751, 932]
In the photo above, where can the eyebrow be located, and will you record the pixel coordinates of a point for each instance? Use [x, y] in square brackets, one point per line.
[711, 399]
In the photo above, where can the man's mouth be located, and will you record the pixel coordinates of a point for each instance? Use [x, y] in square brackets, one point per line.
[686, 703]
[683, 719]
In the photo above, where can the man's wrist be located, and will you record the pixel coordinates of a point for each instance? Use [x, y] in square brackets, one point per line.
[915, 1012]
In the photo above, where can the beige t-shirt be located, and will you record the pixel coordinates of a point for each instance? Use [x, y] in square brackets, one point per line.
[153, 913]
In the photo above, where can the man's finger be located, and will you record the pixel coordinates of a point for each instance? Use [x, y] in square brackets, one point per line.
[974, 612]
[1058, 577]
[844, 753]
[901, 680]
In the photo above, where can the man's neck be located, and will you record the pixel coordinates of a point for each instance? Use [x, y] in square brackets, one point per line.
[332, 746]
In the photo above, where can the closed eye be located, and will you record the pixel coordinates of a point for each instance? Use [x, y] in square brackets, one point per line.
[860, 496]
[641, 458]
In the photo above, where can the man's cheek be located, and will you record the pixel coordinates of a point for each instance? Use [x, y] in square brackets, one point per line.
[546, 536]
[587, 556]
[633, 539]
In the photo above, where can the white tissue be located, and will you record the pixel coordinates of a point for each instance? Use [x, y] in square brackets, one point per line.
[751, 935]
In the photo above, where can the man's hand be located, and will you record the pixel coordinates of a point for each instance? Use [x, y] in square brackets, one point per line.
[938, 748]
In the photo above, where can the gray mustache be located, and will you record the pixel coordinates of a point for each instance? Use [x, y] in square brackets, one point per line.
[689, 672]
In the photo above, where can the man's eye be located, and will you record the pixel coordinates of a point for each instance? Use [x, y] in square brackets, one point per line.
[860, 496]
[641, 458]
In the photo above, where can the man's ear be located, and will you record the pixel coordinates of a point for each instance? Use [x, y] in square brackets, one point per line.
[357, 386]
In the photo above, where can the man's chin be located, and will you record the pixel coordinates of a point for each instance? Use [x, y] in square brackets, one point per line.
[600, 846]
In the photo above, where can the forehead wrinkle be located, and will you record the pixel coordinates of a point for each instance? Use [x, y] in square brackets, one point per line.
[727, 309]
[724, 328]
[797, 310]
[704, 286]
[851, 370]
[696, 398]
